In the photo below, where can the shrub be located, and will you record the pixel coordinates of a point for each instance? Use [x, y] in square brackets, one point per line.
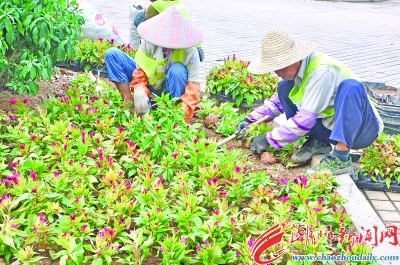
[33, 35]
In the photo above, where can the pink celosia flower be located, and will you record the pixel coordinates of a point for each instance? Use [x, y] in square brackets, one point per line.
[283, 181]
[237, 169]
[285, 199]
[13, 101]
[33, 175]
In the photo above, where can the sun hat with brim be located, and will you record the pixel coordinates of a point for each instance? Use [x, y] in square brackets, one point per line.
[278, 52]
[170, 30]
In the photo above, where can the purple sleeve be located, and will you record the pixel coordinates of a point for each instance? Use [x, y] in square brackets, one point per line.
[296, 127]
[271, 107]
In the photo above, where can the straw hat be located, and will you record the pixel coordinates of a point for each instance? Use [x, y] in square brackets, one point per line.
[279, 51]
[170, 30]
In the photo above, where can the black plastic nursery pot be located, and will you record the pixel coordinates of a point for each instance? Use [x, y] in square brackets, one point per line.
[386, 99]
[77, 67]
[365, 182]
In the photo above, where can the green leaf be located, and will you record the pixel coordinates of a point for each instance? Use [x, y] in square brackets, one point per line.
[8, 25]
[10, 37]
[388, 181]
[63, 260]
[33, 73]
[8, 240]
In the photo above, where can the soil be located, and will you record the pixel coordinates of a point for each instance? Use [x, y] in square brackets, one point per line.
[275, 171]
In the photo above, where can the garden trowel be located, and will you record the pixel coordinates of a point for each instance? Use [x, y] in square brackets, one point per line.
[233, 136]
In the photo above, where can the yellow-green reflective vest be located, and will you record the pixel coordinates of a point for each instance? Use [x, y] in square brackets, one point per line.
[296, 94]
[155, 70]
[160, 6]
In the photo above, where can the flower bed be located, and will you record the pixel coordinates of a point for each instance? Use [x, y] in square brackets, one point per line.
[232, 79]
[85, 180]
[225, 117]
[380, 164]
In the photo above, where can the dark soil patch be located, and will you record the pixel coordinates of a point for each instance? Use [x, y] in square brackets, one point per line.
[275, 171]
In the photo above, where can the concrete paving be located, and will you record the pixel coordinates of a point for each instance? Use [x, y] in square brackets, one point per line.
[366, 36]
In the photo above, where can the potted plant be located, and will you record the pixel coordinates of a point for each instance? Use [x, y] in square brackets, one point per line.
[380, 164]
[232, 81]
[89, 55]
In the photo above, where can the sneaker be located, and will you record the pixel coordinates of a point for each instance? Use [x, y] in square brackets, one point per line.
[334, 165]
[308, 149]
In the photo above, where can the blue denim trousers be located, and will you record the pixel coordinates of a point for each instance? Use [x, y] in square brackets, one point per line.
[355, 122]
[120, 68]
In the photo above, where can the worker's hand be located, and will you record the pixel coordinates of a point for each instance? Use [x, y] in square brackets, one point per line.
[259, 144]
[142, 101]
[241, 128]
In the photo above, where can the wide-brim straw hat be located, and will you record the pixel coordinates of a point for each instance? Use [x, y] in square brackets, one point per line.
[170, 30]
[278, 52]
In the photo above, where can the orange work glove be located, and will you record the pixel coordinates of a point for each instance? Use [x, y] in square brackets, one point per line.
[190, 99]
[141, 94]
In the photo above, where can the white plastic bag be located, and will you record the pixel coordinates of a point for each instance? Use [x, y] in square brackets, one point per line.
[96, 26]
[135, 7]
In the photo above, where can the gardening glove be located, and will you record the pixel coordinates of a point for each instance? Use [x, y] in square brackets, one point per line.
[141, 94]
[241, 128]
[190, 99]
[259, 144]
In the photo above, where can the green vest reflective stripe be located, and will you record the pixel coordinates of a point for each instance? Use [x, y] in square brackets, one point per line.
[296, 94]
[155, 70]
[160, 6]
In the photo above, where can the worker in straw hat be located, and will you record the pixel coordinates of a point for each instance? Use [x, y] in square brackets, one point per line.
[166, 61]
[320, 97]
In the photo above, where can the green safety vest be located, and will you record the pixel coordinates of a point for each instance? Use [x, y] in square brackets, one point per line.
[155, 70]
[296, 94]
[160, 6]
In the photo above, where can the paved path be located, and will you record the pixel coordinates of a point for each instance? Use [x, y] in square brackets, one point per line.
[366, 36]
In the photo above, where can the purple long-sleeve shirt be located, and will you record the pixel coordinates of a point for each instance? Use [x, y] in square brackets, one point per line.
[295, 127]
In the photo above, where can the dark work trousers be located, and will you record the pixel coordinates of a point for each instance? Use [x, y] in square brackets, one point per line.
[355, 122]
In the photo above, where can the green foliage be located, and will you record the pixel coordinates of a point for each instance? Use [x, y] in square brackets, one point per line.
[228, 116]
[234, 79]
[34, 34]
[382, 158]
[88, 181]
[92, 51]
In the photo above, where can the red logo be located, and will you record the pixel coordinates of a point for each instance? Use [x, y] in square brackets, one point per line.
[268, 239]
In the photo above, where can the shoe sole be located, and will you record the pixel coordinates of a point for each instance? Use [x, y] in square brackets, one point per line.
[305, 159]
